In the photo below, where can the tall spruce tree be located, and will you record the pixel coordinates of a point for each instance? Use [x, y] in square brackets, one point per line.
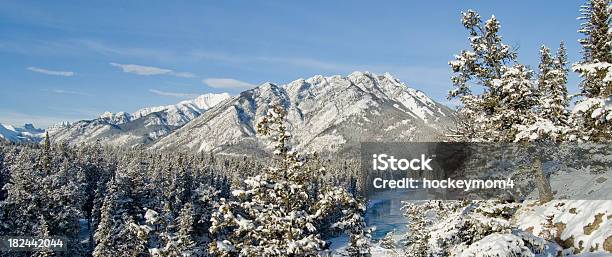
[504, 110]
[550, 117]
[272, 214]
[559, 101]
[482, 66]
[592, 115]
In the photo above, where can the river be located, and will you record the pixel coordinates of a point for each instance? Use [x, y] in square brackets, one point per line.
[384, 213]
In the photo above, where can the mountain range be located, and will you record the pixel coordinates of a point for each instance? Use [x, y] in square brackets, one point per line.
[324, 114]
[27, 133]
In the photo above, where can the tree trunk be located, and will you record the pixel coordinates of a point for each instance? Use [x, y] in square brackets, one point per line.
[542, 182]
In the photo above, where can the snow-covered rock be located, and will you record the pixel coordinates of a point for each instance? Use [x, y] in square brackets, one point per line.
[497, 245]
[584, 225]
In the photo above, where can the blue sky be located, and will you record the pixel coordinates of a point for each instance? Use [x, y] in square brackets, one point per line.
[71, 60]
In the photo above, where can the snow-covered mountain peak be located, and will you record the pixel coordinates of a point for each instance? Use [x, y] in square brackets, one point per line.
[330, 113]
[116, 118]
[206, 101]
[384, 86]
[267, 86]
[182, 112]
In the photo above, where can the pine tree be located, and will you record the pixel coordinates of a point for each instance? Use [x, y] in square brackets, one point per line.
[104, 235]
[44, 187]
[484, 66]
[517, 101]
[592, 117]
[559, 101]
[272, 213]
[552, 86]
[129, 238]
[550, 117]
[595, 15]
[416, 239]
[272, 217]
[117, 233]
[545, 77]
[47, 153]
[184, 238]
[97, 172]
[506, 109]
[43, 232]
[388, 242]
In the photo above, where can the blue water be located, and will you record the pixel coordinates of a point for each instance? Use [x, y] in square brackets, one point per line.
[384, 211]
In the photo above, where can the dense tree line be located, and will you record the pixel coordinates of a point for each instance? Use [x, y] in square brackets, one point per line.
[120, 202]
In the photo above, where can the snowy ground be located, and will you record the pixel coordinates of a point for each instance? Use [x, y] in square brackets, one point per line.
[580, 184]
[583, 224]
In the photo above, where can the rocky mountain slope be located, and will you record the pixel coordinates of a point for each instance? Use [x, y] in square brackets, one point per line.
[325, 114]
[134, 129]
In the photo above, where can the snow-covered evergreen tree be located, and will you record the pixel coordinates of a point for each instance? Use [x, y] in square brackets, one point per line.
[592, 115]
[130, 240]
[44, 188]
[552, 86]
[117, 232]
[43, 231]
[104, 236]
[388, 241]
[418, 235]
[482, 66]
[352, 221]
[184, 238]
[175, 239]
[273, 214]
[451, 228]
[549, 118]
[516, 103]
[560, 95]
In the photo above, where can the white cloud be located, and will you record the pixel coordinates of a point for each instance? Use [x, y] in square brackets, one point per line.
[173, 94]
[184, 74]
[67, 92]
[150, 70]
[227, 83]
[141, 70]
[51, 72]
